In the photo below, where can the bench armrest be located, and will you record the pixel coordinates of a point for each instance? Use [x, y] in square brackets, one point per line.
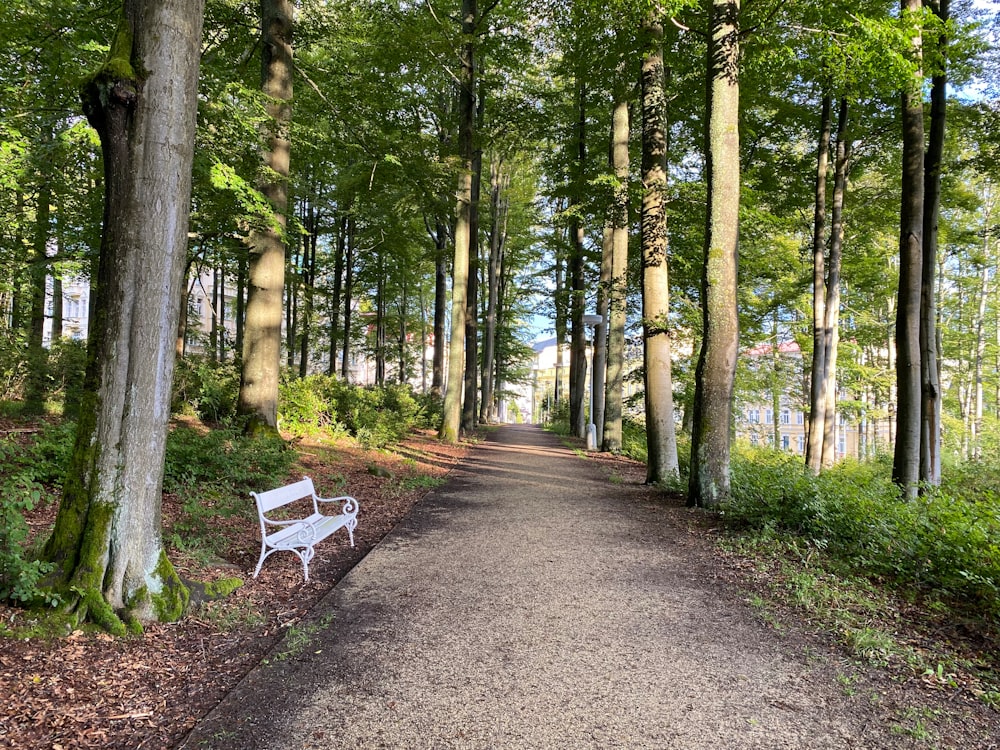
[350, 506]
[307, 534]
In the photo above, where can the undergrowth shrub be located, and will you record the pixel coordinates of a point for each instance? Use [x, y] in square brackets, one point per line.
[67, 366]
[20, 570]
[375, 416]
[225, 460]
[205, 388]
[939, 542]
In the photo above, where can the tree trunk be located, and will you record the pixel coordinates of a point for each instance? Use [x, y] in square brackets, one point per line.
[338, 282]
[602, 349]
[832, 312]
[578, 292]
[291, 305]
[310, 241]
[470, 411]
[241, 299]
[107, 544]
[463, 231]
[716, 371]
[661, 440]
[380, 307]
[345, 355]
[561, 325]
[817, 401]
[440, 305]
[258, 400]
[906, 457]
[499, 180]
[930, 389]
[618, 216]
[35, 387]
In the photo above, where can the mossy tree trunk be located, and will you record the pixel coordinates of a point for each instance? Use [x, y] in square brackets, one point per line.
[107, 544]
[713, 401]
[258, 400]
[661, 438]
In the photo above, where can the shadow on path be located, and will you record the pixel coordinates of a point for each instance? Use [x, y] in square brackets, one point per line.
[531, 603]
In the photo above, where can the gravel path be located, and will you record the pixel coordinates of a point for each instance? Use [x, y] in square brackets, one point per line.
[533, 603]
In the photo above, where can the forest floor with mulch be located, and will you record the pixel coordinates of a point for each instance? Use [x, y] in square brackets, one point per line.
[91, 690]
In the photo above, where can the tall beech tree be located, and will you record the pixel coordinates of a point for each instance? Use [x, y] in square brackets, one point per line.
[661, 440]
[618, 223]
[258, 399]
[930, 381]
[906, 455]
[106, 544]
[454, 386]
[710, 433]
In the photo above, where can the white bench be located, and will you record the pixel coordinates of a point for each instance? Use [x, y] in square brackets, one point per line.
[299, 535]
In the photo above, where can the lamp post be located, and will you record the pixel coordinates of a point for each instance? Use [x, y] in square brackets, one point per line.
[593, 321]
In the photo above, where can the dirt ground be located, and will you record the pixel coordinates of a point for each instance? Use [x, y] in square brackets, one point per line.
[93, 691]
[90, 690]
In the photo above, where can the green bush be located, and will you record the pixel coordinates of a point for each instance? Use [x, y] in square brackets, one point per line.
[20, 571]
[67, 367]
[940, 542]
[376, 416]
[208, 389]
[13, 365]
[225, 460]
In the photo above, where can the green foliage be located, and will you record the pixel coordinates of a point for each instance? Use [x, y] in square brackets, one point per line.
[13, 365]
[223, 461]
[943, 542]
[375, 416]
[20, 572]
[208, 389]
[67, 367]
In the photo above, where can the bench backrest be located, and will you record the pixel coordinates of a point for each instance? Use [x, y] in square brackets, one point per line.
[284, 495]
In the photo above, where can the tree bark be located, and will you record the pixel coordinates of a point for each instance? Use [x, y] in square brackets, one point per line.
[470, 411]
[258, 399]
[106, 543]
[716, 371]
[930, 388]
[338, 282]
[906, 457]
[832, 312]
[451, 423]
[618, 216]
[498, 201]
[578, 292]
[440, 305]
[602, 349]
[345, 355]
[35, 387]
[661, 439]
[817, 401]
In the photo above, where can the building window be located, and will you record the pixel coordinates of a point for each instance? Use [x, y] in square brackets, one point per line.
[754, 439]
[786, 416]
[753, 416]
[842, 446]
[802, 443]
[799, 417]
[786, 442]
[768, 416]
